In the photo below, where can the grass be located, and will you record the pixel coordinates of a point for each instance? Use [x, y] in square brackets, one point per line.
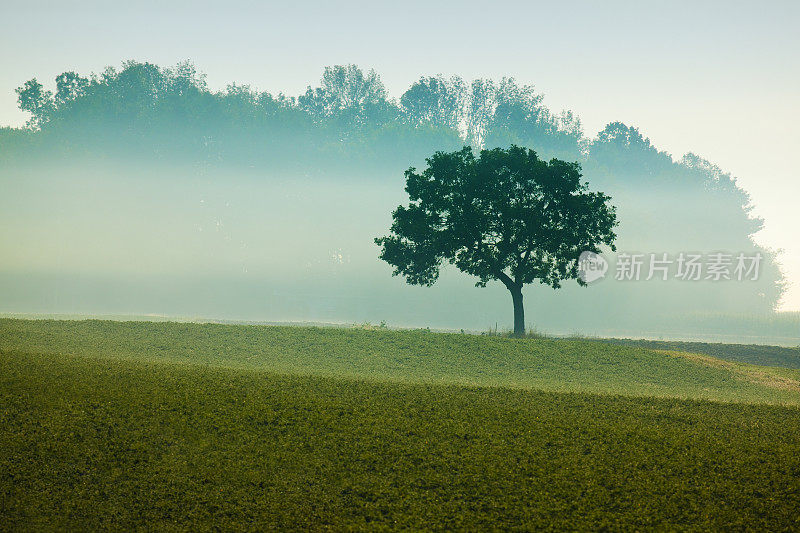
[109, 425]
[399, 356]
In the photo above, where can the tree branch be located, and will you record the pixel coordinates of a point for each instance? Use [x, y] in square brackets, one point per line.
[507, 281]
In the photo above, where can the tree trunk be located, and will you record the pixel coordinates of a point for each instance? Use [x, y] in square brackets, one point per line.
[519, 311]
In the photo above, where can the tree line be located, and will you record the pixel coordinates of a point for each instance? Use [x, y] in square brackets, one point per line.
[348, 124]
[147, 108]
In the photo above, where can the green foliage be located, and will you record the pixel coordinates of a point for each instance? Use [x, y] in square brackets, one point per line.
[33, 98]
[436, 101]
[348, 95]
[147, 110]
[185, 427]
[507, 214]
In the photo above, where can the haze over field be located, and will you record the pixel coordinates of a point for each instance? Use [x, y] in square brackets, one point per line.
[164, 189]
[715, 78]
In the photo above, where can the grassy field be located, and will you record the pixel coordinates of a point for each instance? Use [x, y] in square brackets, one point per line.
[407, 356]
[190, 426]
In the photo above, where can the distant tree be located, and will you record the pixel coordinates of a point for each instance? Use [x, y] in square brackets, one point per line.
[69, 86]
[507, 215]
[436, 101]
[185, 79]
[481, 109]
[517, 103]
[33, 98]
[520, 118]
[618, 145]
[345, 90]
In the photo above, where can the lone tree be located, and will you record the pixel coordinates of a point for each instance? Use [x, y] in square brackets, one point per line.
[507, 215]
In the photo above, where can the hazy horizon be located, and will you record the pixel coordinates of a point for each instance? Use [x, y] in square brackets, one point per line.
[717, 79]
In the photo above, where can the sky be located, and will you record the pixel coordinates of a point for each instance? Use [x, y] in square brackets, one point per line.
[720, 79]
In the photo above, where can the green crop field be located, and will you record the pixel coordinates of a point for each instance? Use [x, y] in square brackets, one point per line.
[132, 425]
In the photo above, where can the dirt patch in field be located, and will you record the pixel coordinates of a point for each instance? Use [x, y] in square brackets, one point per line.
[743, 371]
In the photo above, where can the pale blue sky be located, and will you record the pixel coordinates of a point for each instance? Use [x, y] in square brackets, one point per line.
[721, 79]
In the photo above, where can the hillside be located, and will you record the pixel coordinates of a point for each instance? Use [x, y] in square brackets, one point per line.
[412, 357]
[111, 425]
